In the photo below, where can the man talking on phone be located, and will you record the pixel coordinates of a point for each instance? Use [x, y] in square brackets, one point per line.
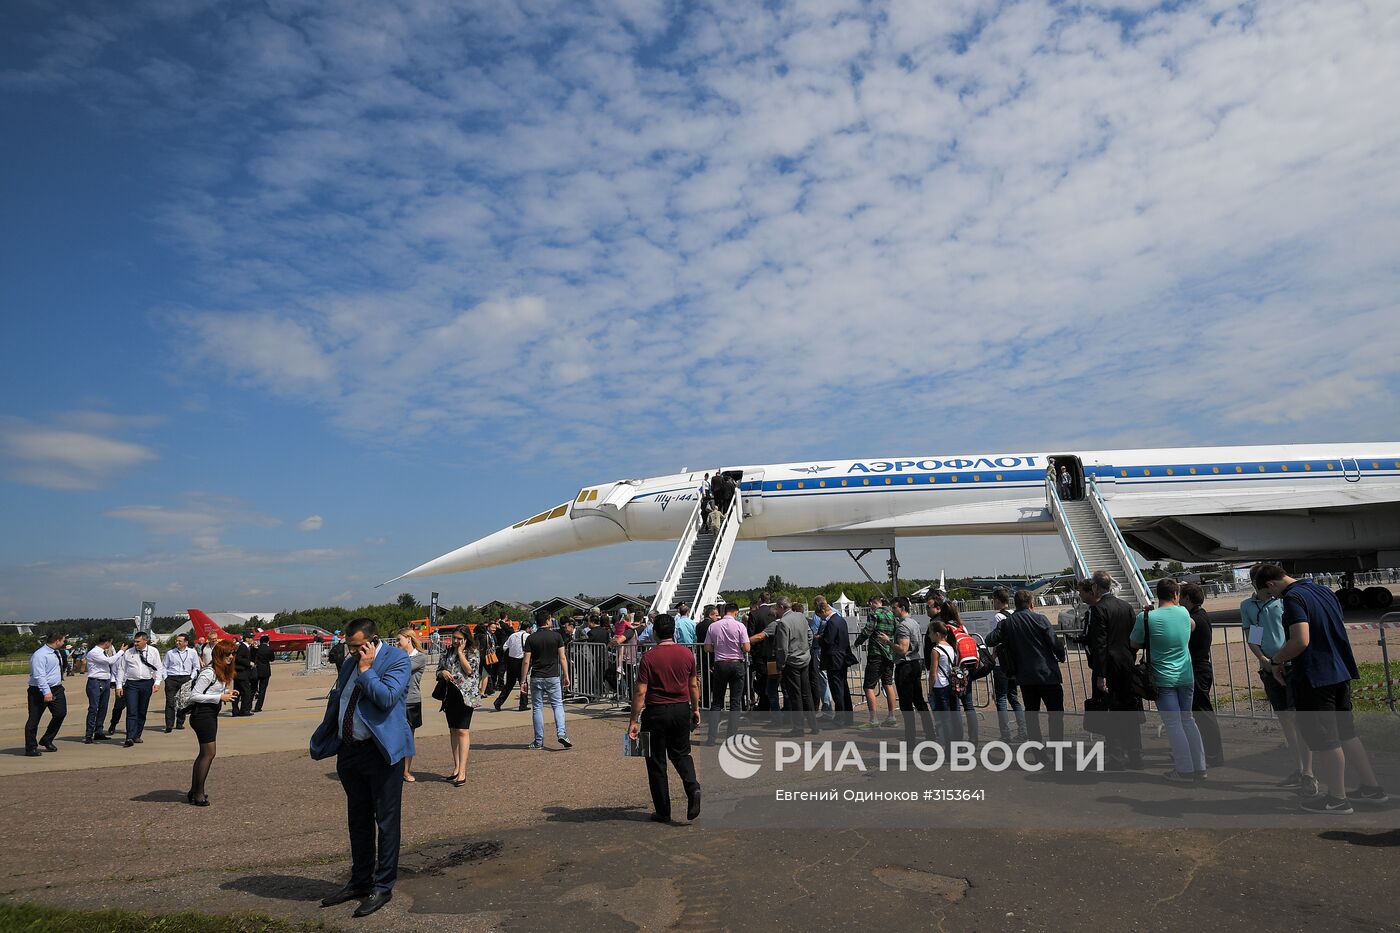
[366, 728]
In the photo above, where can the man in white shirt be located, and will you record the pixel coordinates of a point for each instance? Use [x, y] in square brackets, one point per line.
[139, 674]
[99, 687]
[181, 663]
[515, 659]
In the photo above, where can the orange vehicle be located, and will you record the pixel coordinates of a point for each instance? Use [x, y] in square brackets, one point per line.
[425, 629]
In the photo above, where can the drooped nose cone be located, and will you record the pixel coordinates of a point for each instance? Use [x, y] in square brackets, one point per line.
[547, 534]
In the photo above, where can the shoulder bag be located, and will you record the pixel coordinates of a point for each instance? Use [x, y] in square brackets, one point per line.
[1144, 683]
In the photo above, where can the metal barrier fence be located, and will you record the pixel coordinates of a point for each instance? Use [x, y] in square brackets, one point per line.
[604, 672]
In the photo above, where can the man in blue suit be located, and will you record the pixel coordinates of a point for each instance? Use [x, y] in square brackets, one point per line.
[366, 728]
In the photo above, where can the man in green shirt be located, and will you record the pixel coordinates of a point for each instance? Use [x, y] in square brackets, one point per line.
[879, 630]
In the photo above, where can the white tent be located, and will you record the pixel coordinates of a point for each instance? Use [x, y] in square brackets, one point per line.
[844, 605]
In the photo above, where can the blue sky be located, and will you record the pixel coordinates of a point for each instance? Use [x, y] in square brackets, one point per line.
[299, 295]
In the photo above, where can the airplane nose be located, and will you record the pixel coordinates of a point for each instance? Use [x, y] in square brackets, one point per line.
[547, 534]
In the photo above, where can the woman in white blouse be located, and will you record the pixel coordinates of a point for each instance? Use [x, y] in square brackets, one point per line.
[210, 689]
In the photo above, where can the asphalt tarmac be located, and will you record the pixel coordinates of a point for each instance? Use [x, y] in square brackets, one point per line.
[559, 839]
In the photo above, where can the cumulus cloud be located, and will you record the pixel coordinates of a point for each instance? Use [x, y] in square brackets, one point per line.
[201, 519]
[311, 523]
[60, 457]
[957, 215]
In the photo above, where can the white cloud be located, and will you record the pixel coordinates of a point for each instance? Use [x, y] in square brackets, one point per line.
[201, 519]
[67, 458]
[958, 215]
[311, 523]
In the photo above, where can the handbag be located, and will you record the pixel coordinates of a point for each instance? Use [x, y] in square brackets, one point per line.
[440, 691]
[1144, 685]
[1096, 715]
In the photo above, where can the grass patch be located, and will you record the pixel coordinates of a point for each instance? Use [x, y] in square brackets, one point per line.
[14, 666]
[40, 918]
[1369, 699]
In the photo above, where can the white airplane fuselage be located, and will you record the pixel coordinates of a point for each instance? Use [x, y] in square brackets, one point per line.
[1326, 504]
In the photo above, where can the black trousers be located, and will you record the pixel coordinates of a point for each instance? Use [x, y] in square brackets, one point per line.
[373, 802]
[262, 692]
[1204, 713]
[173, 683]
[1123, 743]
[668, 730]
[247, 687]
[728, 676]
[909, 686]
[841, 697]
[57, 708]
[1052, 696]
[797, 695]
[513, 666]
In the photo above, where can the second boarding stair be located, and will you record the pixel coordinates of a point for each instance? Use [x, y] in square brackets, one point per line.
[702, 555]
[1092, 539]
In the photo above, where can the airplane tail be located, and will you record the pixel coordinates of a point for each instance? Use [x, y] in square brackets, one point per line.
[207, 628]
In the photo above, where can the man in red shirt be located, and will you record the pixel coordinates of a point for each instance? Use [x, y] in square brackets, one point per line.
[667, 705]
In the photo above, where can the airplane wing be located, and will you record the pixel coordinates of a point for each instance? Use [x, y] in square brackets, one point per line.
[1127, 504]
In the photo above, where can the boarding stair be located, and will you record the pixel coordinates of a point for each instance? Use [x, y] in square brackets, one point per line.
[702, 555]
[1093, 541]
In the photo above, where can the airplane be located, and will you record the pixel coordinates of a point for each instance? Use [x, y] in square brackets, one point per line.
[1329, 507]
[208, 629]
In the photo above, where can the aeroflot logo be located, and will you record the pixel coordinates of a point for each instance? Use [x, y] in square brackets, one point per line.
[931, 465]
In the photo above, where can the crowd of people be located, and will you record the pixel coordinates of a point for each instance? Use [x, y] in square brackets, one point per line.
[194, 680]
[778, 658]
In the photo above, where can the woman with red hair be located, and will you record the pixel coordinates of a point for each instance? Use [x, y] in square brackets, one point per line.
[211, 688]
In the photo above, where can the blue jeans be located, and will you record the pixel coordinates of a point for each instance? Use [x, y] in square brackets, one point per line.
[965, 701]
[1007, 698]
[98, 693]
[542, 689]
[137, 694]
[1174, 703]
[945, 709]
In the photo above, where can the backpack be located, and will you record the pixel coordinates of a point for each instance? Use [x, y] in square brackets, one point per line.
[985, 661]
[186, 692]
[966, 647]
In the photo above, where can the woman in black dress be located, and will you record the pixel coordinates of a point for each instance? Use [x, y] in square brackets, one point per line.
[211, 688]
[459, 688]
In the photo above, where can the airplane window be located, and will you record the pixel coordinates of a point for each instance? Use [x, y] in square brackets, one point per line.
[538, 518]
[1193, 471]
[1307, 467]
[867, 482]
[800, 486]
[582, 496]
[888, 481]
[778, 486]
[1330, 467]
[843, 482]
[998, 477]
[1146, 472]
[1124, 472]
[559, 511]
[1215, 469]
[934, 479]
[1261, 468]
[911, 479]
[822, 484]
[977, 477]
[1284, 467]
[954, 478]
[1239, 469]
[1171, 472]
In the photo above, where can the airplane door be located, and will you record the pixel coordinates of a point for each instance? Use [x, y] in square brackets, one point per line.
[613, 496]
[1351, 470]
[751, 488]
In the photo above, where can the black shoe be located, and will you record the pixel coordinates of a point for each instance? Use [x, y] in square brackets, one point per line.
[49, 747]
[169, 729]
[180, 726]
[658, 818]
[347, 893]
[564, 741]
[128, 743]
[101, 737]
[1324, 803]
[87, 740]
[372, 903]
[693, 809]
[1217, 761]
[34, 753]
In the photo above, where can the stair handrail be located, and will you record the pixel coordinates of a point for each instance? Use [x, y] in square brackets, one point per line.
[1136, 580]
[666, 589]
[732, 518]
[1061, 519]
